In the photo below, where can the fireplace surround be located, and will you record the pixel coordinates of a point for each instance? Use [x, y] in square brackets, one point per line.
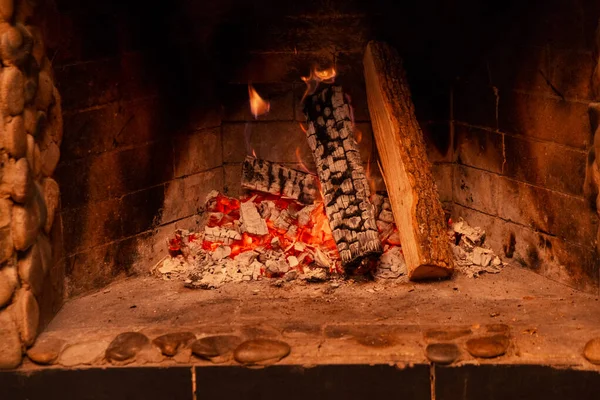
[153, 103]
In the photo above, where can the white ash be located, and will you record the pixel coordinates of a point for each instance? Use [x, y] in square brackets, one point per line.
[251, 220]
[391, 264]
[221, 234]
[471, 255]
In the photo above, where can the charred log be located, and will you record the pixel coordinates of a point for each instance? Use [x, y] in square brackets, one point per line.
[343, 181]
[269, 177]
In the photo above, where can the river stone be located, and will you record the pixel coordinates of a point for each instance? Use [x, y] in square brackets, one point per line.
[170, 343]
[25, 10]
[34, 156]
[27, 315]
[51, 198]
[6, 10]
[591, 351]
[86, 353]
[31, 270]
[16, 44]
[11, 91]
[13, 137]
[217, 349]
[8, 283]
[49, 159]
[125, 346]
[22, 181]
[27, 220]
[10, 344]
[39, 50]
[30, 89]
[442, 353]
[488, 346]
[45, 351]
[261, 351]
[45, 92]
[6, 244]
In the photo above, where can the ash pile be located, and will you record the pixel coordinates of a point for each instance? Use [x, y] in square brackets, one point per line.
[472, 256]
[265, 236]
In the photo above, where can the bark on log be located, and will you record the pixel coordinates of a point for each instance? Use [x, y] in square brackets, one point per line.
[269, 177]
[406, 169]
[343, 181]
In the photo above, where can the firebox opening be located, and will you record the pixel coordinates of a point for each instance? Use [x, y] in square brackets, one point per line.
[268, 182]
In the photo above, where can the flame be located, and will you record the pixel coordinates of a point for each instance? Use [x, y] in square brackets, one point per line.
[299, 159]
[302, 127]
[358, 135]
[254, 153]
[317, 76]
[258, 106]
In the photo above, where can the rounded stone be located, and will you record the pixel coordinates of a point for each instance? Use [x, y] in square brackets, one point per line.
[45, 351]
[488, 346]
[13, 137]
[45, 91]
[442, 353]
[10, 344]
[217, 349]
[261, 351]
[27, 315]
[125, 346]
[591, 351]
[16, 44]
[54, 122]
[8, 283]
[6, 241]
[27, 220]
[25, 10]
[6, 10]
[49, 159]
[33, 156]
[31, 270]
[11, 91]
[38, 50]
[170, 343]
[30, 89]
[51, 198]
[22, 181]
[86, 353]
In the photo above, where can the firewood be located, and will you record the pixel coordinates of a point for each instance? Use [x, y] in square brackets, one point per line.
[343, 181]
[251, 220]
[269, 177]
[405, 167]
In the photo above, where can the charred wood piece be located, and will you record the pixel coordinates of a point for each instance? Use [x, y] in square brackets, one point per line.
[344, 184]
[269, 177]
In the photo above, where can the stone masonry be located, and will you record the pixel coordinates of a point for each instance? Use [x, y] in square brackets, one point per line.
[30, 137]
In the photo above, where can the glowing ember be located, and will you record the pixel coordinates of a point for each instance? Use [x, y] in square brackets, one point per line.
[258, 106]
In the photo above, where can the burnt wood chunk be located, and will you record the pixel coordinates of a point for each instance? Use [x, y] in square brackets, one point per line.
[344, 184]
[269, 177]
[406, 170]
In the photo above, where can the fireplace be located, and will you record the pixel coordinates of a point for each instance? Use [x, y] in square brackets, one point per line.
[131, 188]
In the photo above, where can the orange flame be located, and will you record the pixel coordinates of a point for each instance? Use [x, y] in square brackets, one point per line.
[358, 135]
[299, 158]
[317, 76]
[258, 106]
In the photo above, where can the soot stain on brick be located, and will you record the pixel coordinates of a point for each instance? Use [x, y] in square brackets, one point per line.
[509, 246]
[533, 258]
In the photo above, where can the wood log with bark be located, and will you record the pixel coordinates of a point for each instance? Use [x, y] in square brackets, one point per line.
[269, 177]
[344, 184]
[405, 167]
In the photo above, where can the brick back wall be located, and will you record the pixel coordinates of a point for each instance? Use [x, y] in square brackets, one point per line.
[522, 135]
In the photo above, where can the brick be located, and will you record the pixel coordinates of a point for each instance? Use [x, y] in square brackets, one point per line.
[197, 152]
[442, 173]
[92, 225]
[140, 211]
[567, 217]
[280, 96]
[478, 148]
[438, 141]
[571, 71]
[88, 84]
[110, 127]
[274, 141]
[548, 119]
[545, 164]
[570, 264]
[514, 66]
[343, 33]
[232, 184]
[475, 103]
[185, 197]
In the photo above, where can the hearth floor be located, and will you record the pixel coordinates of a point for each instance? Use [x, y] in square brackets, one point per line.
[372, 322]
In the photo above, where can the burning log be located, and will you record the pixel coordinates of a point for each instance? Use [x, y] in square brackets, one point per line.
[269, 177]
[344, 184]
[406, 169]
